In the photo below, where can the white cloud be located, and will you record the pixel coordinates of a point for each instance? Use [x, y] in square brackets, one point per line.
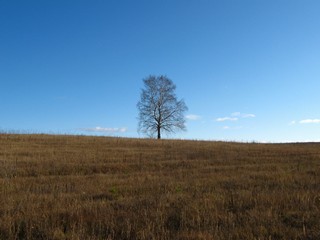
[305, 121]
[236, 114]
[193, 117]
[248, 115]
[231, 128]
[235, 117]
[292, 122]
[243, 115]
[105, 130]
[226, 119]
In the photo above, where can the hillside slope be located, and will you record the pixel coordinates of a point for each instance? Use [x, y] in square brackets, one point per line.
[78, 187]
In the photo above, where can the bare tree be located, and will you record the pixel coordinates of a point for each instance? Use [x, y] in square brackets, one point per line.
[159, 109]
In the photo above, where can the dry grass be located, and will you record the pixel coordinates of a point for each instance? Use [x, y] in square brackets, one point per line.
[76, 187]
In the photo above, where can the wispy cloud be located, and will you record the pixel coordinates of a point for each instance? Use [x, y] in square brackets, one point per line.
[248, 115]
[104, 130]
[236, 114]
[193, 117]
[231, 128]
[243, 115]
[292, 122]
[306, 121]
[223, 119]
[235, 117]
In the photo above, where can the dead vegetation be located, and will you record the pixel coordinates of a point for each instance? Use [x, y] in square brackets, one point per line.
[77, 187]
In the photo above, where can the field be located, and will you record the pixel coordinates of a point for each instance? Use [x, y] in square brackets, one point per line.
[79, 187]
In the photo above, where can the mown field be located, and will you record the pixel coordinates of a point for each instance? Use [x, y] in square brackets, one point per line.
[77, 187]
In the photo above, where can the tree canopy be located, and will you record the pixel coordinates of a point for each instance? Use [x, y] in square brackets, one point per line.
[159, 109]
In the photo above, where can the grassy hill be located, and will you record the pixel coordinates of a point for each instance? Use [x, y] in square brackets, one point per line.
[78, 187]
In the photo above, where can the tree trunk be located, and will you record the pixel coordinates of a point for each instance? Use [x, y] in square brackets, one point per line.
[159, 134]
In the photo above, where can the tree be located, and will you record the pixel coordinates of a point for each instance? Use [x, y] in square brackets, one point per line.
[159, 109]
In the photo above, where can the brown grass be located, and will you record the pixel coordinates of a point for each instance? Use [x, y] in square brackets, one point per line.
[76, 187]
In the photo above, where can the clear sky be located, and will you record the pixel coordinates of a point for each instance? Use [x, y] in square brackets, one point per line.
[248, 70]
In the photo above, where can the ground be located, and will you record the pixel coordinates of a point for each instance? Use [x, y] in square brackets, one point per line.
[80, 187]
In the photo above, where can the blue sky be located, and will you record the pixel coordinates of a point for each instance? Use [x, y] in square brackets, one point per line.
[248, 70]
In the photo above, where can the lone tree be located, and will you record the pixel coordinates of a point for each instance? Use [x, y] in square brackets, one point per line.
[159, 109]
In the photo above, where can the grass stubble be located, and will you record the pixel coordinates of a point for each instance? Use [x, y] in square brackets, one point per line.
[80, 187]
